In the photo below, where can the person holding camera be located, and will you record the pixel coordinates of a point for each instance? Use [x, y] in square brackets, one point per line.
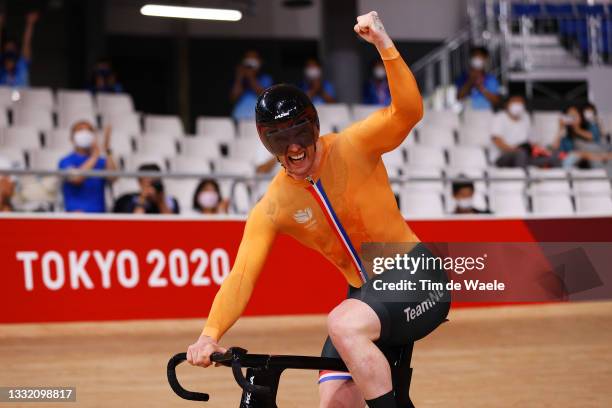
[151, 199]
[249, 83]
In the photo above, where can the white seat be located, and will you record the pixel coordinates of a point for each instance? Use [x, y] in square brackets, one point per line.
[426, 156]
[46, 159]
[123, 122]
[39, 118]
[360, 112]
[14, 155]
[183, 190]
[441, 118]
[245, 149]
[41, 98]
[474, 136]
[431, 135]
[503, 186]
[24, 138]
[183, 164]
[234, 167]
[420, 204]
[590, 187]
[552, 204]
[247, 129]
[549, 186]
[157, 144]
[114, 103]
[58, 139]
[508, 203]
[424, 172]
[240, 200]
[6, 96]
[337, 115]
[167, 124]
[594, 204]
[69, 116]
[545, 127]
[478, 118]
[132, 162]
[74, 99]
[466, 157]
[3, 118]
[394, 158]
[121, 143]
[124, 185]
[222, 127]
[200, 147]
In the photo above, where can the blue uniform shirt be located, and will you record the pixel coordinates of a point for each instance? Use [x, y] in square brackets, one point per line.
[377, 93]
[317, 99]
[87, 196]
[20, 77]
[477, 99]
[245, 106]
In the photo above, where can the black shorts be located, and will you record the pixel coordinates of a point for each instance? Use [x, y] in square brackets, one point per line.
[405, 315]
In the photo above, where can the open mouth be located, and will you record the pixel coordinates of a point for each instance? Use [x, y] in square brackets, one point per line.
[296, 158]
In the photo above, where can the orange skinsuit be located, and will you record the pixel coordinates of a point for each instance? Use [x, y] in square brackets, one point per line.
[357, 185]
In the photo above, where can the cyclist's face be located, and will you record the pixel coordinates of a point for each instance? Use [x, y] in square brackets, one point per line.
[299, 161]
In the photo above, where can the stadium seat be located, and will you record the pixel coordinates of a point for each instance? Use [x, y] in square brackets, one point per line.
[423, 172]
[554, 204]
[123, 122]
[549, 186]
[6, 97]
[3, 118]
[470, 135]
[69, 116]
[41, 98]
[395, 159]
[114, 103]
[245, 149]
[234, 167]
[336, 114]
[435, 136]
[545, 127]
[360, 112]
[200, 147]
[39, 118]
[24, 138]
[478, 118]
[166, 124]
[240, 198]
[132, 162]
[466, 157]
[46, 159]
[594, 205]
[426, 156]
[442, 118]
[219, 127]
[183, 164]
[247, 129]
[58, 139]
[124, 185]
[71, 99]
[420, 204]
[15, 155]
[183, 190]
[158, 144]
[591, 187]
[507, 203]
[121, 143]
[503, 186]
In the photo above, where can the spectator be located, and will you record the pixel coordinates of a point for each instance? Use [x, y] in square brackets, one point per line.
[480, 87]
[592, 124]
[463, 193]
[151, 199]
[207, 198]
[7, 186]
[15, 68]
[104, 78]
[318, 90]
[248, 84]
[577, 141]
[511, 131]
[376, 90]
[86, 194]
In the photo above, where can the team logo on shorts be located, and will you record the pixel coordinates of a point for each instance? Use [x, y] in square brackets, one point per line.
[303, 216]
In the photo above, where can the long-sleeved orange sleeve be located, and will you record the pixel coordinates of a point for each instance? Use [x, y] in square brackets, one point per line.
[387, 128]
[236, 290]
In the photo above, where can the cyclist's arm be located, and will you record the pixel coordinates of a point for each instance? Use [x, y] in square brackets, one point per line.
[386, 129]
[235, 292]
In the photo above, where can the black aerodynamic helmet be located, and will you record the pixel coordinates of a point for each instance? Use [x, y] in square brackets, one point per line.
[285, 115]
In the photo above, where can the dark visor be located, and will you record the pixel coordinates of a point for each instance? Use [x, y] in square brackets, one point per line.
[278, 141]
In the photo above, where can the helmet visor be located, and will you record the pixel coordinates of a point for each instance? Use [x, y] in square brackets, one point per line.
[277, 141]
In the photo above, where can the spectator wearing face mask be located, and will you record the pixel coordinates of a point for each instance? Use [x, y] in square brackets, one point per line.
[86, 194]
[578, 139]
[7, 186]
[477, 85]
[151, 199]
[376, 90]
[318, 90]
[104, 78]
[463, 194]
[207, 198]
[510, 133]
[15, 68]
[248, 84]
[592, 123]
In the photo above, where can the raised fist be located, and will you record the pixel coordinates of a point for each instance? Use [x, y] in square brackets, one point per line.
[370, 28]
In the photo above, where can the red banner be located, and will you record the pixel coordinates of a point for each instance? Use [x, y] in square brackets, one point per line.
[75, 269]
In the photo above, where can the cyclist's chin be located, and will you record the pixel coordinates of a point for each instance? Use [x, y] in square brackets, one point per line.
[300, 170]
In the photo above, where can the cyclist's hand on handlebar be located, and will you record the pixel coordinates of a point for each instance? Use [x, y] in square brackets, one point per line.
[199, 353]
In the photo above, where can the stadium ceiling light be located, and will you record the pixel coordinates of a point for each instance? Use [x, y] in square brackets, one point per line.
[198, 13]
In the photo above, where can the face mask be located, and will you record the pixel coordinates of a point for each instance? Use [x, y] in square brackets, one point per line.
[208, 199]
[312, 73]
[477, 63]
[589, 115]
[464, 203]
[84, 138]
[251, 63]
[516, 109]
[380, 73]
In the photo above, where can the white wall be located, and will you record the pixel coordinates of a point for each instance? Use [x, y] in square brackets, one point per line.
[270, 20]
[414, 20]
